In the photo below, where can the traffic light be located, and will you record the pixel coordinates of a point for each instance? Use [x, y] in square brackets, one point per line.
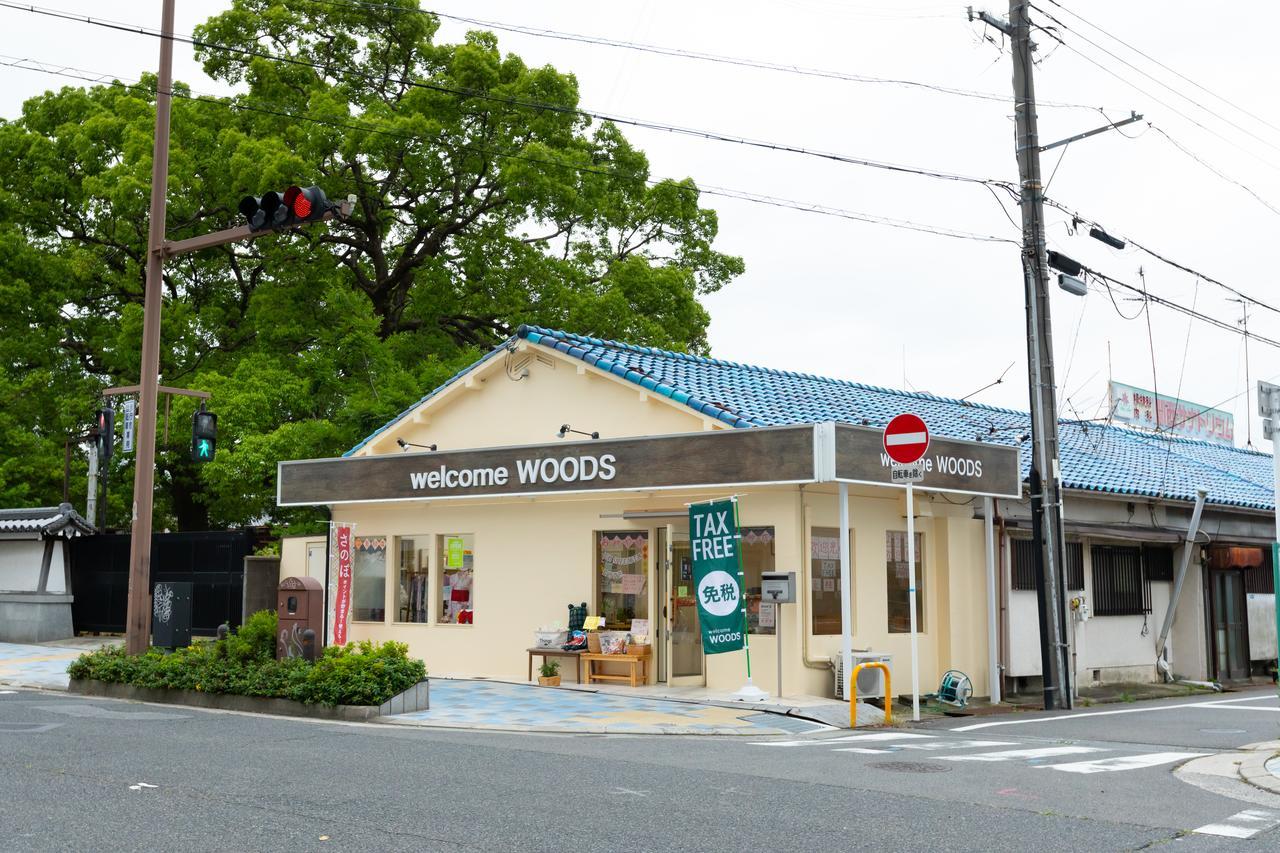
[296, 205]
[104, 430]
[204, 436]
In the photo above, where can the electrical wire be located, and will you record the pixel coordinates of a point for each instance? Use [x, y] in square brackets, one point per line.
[1160, 257]
[720, 192]
[1154, 98]
[711, 135]
[1156, 80]
[1187, 151]
[1173, 71]
[660, 50]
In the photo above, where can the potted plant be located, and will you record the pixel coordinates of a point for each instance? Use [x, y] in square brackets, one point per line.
[549, 673]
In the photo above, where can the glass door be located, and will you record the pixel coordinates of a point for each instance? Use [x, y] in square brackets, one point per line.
[684, 634]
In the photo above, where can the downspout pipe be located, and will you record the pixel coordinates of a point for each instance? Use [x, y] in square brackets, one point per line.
[1188, 547]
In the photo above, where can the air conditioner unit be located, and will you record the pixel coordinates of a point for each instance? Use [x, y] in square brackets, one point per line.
[870, 680]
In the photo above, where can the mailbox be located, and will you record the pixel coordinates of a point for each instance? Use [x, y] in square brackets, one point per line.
[299, 618]
[778, 587]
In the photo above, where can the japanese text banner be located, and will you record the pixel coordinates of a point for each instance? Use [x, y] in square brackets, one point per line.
[713, 543]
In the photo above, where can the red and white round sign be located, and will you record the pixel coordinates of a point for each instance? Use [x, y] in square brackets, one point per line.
[906, 439]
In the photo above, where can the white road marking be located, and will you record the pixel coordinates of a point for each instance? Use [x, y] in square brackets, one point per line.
[1013, 754]
[1123, 762]
[1245, 824]
[1219, 703]
[7, 692]
[141, 785]
[928, 746]
[874, 736]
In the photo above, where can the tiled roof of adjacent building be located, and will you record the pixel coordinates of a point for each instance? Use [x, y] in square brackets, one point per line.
[1094, 456]
[59, 520]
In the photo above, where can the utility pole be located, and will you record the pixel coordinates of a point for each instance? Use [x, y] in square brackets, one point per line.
[1046, 489]
[138, 615]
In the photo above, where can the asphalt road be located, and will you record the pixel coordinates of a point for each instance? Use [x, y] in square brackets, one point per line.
[80, 774]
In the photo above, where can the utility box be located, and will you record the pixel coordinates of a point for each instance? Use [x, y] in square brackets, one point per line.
[299, 618]
[171, 614]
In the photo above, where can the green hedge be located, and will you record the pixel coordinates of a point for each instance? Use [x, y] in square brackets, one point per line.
[244, 664]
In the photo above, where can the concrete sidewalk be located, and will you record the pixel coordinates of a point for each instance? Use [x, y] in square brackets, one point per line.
[42, 666]
[504, 706]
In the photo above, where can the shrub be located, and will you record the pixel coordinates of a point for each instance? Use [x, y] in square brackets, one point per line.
[244, 664]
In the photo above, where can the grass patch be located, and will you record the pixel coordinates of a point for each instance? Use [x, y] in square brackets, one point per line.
[244, 664]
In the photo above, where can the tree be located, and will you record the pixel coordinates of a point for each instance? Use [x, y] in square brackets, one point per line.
[483, 199]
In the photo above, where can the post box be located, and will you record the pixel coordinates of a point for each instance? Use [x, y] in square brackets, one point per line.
[299, 618]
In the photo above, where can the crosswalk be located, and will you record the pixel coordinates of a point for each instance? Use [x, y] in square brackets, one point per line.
[988, 751]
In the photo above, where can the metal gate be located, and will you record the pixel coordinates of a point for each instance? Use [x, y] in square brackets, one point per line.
[212, 562]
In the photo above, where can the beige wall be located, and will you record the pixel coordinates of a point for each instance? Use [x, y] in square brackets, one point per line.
[489, 409]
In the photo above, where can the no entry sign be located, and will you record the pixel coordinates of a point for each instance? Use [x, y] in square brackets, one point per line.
[906, 439]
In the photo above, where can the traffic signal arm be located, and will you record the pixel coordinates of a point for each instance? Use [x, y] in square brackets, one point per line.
[239, 234]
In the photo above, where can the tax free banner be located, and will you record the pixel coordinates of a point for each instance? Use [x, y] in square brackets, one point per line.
[717, 566]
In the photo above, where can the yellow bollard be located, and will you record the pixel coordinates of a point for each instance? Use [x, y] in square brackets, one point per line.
[853, 694]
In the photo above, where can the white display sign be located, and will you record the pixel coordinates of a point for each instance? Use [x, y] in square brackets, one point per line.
[130, 409]
[913, 473]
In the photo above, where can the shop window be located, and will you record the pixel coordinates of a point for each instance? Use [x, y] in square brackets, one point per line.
[1120, 586]
[369, 579]
[824, 578]
[457, 578]
[1023, 553]
[899, 582]
[412, 554]
[622, 577]
[758, 556]
[1157, 560]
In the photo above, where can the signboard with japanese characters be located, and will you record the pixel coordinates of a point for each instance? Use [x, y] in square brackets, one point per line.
[1138, 407]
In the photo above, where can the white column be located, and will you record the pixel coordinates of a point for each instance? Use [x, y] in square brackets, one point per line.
[846, 590]
[993, 613]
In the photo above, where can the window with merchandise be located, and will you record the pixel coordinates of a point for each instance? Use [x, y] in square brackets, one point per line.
[457, 579]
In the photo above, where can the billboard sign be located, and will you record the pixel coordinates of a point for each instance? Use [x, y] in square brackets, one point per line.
[1138, 407]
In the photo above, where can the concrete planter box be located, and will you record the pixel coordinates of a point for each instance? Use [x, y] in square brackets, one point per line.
[413, 699]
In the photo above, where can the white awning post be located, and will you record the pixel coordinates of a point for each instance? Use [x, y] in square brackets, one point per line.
[993, 615]
[846, 590]
[911, 594]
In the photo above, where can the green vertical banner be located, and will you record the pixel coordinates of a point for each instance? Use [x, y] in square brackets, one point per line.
[713, 542]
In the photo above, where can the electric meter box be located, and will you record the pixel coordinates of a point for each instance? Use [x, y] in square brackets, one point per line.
[778, 587]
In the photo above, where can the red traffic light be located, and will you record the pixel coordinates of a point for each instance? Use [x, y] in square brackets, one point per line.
[273, 210]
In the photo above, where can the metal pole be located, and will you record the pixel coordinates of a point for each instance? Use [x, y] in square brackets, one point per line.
[1044, 423]
[911, 595]
[137, 628]
[777, 627]
[1187, 548]
[846, 605]
[66, 471]
[91, 500]
[993, 616]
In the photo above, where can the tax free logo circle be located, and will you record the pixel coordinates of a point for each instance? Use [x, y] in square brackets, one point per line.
[718, 593]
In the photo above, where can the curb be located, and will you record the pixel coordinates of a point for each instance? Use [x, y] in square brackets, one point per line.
[1253, 768]
[591, 729]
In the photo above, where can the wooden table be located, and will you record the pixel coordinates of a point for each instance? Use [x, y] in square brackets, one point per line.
[637, 674]
[555, 652]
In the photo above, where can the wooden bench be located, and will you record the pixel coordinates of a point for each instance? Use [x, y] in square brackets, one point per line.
[638, 664]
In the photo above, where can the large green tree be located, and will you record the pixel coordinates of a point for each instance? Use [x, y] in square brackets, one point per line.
[483, 199]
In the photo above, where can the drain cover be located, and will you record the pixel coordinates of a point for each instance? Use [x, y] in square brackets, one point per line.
[911, 766]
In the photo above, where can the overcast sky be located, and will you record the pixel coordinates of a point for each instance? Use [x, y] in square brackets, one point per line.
[883, 305]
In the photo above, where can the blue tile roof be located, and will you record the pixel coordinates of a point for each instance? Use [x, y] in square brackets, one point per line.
[1094, 457]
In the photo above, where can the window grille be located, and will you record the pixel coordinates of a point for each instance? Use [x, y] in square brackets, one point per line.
[1120, 585]
[1024, 564]
[1259, 579]
[1157, 560]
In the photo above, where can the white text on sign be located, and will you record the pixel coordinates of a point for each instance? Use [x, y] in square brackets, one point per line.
[960, 466]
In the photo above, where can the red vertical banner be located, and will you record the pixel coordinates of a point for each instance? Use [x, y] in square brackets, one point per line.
[342, 600]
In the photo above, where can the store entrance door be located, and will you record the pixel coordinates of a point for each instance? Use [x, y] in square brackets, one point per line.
[680, 660]
[1229, 627]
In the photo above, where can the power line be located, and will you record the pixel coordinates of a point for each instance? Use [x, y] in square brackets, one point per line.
[1077, 217]
[1187, 151]
[711, 135]
[678, 53]
[1173, 71]
[1156, 80]
[721, 192]
[1143, 91]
